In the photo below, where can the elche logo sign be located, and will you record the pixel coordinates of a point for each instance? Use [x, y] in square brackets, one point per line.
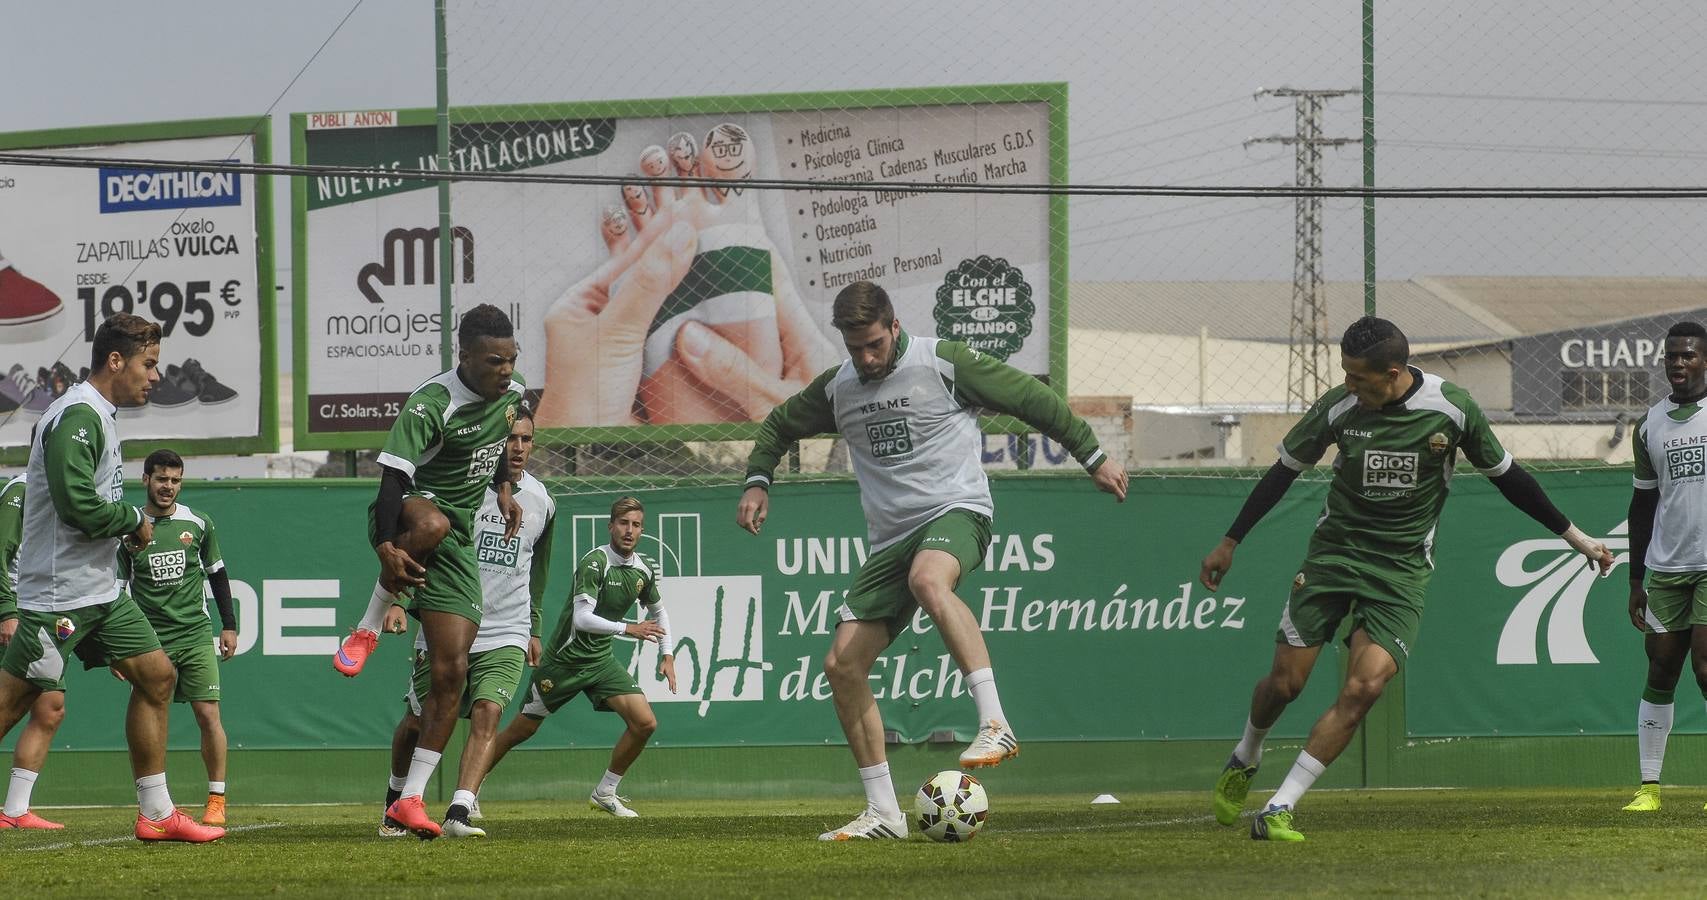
[1561, 582]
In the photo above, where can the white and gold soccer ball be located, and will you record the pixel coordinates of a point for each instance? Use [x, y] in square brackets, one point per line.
[950, 807]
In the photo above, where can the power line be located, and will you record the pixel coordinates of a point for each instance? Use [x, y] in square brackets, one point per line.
[1541, 192]
[1539, 98]
[1162, 121]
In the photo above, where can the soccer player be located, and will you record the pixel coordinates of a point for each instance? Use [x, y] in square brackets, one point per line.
[444, 449]
[1668, 544]
[512, 581]
[166, 577]
[48, 711]
[1399, 431]
[908, 408]
[609, 580]
[69, 592]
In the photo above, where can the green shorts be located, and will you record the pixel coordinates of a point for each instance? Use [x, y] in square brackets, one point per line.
[555, 684]
[453, 576]
[1314, 612]
[880, 592]
[1677, 601]
[197, 662]
[493, 675]
[106, 631]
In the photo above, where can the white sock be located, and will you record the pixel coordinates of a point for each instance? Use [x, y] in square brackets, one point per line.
[152, 796]
[396, 782]
[982, 684]
[421, 767]
[1653, 726]
[216, 787]
[377, 606]
[464, 799]
[1249, 750]
[880, 789]
[18, 792]
[607, 784]
[1304, 773]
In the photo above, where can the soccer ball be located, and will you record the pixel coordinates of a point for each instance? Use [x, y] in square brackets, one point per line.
[950, 807]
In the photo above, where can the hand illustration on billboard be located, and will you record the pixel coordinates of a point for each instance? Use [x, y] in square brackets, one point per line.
[695, 317]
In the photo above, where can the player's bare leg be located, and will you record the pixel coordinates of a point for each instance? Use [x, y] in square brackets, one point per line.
[1667, 653]
[46, 714]
[152, 679]
[853, 650]
[213, 757]
[421, 527]
[1370, 669]
[516, 733]
[448, 638]
[932, 579]
[476, 760]
[403, 739]
[637, 714]
[17, 696]
[1285, 680]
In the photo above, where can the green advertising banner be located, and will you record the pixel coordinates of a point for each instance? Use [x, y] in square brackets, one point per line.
[1091, 609]
[1520, 636]
[1093, 616]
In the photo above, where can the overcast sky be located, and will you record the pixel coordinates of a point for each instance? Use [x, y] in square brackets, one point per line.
[1570, 93]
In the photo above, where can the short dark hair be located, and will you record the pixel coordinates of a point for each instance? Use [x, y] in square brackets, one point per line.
[162, 459]
[625, 505]
[524, 411]
[483, 321]
[1377, 342]
[861, 304]
[124, 334]
[1687, 329]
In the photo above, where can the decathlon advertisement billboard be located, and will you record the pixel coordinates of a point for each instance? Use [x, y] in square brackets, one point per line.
[189, 249]
[686, 310]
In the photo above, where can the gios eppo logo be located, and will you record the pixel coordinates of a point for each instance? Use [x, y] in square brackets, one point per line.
[130, 190]
[1389, 469]
[890, 438]
[1686, 462]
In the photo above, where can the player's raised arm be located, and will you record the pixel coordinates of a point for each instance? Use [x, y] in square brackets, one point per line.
[805, 414]
[984, 381]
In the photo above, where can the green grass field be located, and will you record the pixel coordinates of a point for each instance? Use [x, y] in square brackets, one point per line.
[1500, 842]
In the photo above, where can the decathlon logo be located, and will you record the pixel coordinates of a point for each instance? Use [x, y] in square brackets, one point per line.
[1560, 582]
[126, 190]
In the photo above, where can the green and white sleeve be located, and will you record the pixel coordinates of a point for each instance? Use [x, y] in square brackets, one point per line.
[803, 415]
[73, 443]
[982, 380]
[11, 536]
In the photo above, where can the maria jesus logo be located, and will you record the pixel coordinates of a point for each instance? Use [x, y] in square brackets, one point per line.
[889, 438]
[1686, 462]
[986, 304]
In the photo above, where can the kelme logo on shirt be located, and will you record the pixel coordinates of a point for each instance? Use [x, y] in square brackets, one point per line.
[1686, 462]
[889, 438]
[1389, 469]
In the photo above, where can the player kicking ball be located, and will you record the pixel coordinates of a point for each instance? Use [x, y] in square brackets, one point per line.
[445, 448]
[1399, 431]
[512, 580]
[581, 658]
[1668, 547]
[908, 409]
